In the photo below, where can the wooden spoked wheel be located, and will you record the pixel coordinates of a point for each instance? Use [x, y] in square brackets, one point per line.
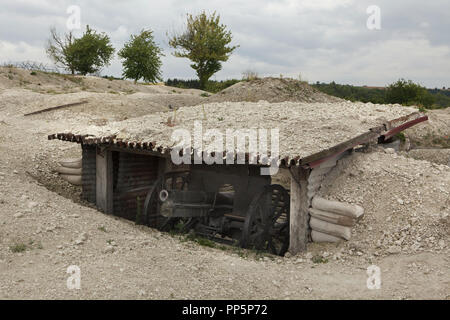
[266, 225]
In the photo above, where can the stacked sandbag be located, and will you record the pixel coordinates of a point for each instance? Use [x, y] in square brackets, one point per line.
[331, 221]
[317, 176]
[319, 173]
[70, 170]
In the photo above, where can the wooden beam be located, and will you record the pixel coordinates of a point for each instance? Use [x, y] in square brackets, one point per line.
[342, 147]
[139, 151]
[56, 108]
[104, 180]
[299, 206]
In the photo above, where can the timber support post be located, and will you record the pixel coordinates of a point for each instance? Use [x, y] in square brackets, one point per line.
[299, 206]
[104, 180]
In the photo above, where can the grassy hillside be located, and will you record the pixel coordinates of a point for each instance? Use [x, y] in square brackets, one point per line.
[377, 95]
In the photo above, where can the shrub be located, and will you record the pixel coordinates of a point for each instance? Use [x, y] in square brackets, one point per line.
[249, 75]
[408, 93]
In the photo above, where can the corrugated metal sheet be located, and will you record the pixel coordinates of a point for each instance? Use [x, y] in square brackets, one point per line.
[134, 175]
[88, 180]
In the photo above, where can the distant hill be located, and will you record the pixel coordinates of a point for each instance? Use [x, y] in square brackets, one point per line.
[376, 94]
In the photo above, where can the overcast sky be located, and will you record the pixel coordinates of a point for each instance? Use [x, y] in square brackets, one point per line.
[323, 40]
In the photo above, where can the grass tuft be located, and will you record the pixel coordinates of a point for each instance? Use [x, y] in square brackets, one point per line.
[18, 247]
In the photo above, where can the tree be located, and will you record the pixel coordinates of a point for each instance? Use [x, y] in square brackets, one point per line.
[408, 93]
[141, 58]
[91, 52]
[58, 49]
[204, 42]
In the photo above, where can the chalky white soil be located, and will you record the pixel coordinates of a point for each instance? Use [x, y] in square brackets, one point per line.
[304, 128]
[120, 260]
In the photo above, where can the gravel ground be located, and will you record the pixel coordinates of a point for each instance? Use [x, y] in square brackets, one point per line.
[406, 202]
[42, 233]
[439, 156]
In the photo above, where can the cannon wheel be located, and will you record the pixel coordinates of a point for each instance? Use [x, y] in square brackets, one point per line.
[266, 225]
[152, 203]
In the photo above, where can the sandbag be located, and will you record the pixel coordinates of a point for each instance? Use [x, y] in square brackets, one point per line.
[319, 172]
[330, 228]
[332, 217]
[69, 171]
[75, 180]
[318, 236]
[71, 163]
[345, 209]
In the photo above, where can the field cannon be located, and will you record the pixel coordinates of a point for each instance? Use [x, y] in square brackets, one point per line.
[245, 210]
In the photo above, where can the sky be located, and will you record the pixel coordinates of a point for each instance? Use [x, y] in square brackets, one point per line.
[315, 40]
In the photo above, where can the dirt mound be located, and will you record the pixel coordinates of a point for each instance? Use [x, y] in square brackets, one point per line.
[406, 202]
[56, 83]
[433, 133]
[272, 90]
[23, 91]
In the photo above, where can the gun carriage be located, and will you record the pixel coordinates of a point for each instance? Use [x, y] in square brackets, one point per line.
[235, 205]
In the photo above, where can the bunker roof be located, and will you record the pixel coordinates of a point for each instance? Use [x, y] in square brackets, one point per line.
[308, 132]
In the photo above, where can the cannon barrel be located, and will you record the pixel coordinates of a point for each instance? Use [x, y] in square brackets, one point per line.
[182, 203]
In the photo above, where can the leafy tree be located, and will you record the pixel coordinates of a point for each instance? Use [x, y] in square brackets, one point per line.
[90, 52]
[408, 93]
[141, 58]
[204, 42]
[58, 50]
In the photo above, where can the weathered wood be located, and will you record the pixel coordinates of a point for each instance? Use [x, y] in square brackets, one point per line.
[299, 206]
[342, 147]
[56, 108]
[104, 181]
[139, 151]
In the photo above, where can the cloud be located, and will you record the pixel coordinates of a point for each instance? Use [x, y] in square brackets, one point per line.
[294, 7]
[21, 51]
[325, 40]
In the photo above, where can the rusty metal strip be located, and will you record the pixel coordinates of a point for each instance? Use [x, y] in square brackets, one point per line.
[396, 122]
[402, 127]
[376, 133]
